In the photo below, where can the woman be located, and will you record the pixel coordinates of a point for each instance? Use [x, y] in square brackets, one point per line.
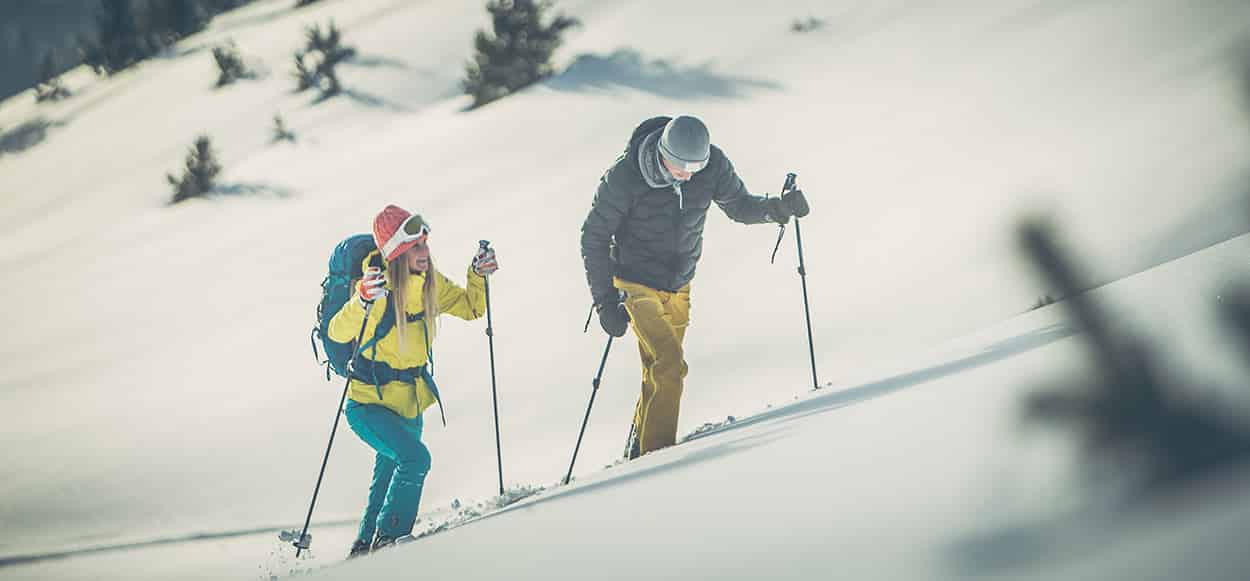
[391, 383]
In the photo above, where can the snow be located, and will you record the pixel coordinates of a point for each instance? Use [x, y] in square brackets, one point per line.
[158, 363]
[853, 483]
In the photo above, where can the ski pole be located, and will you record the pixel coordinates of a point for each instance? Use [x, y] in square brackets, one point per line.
[629, 440]
[490, 337]
[807, 310]
[594, 390]
[303, 541]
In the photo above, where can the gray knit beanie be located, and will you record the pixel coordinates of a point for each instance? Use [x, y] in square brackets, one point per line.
[685, 143]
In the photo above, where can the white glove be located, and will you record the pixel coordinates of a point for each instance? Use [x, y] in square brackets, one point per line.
[485, 263]
[371, 287]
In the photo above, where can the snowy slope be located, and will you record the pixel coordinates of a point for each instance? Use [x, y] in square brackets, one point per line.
[919, 472]
[920, 469]
[164, 377]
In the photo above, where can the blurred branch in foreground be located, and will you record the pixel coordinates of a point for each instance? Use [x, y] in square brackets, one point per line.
[1132, 415]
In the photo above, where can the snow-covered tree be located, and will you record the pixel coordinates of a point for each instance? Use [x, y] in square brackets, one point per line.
[517, 53]
[175, 19]
[49, 87]
[128, 31]
[806, 24]
[315, 64]
[280, 130]
[198, 173]
[118, 40]
[230, 67]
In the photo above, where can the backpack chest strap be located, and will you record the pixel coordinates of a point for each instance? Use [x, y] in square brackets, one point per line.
[378, 373]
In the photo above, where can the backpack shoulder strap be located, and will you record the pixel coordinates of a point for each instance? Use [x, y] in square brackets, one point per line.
[384, 327]
[374, 259]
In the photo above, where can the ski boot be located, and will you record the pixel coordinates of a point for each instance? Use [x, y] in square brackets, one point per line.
[360, 548]
[382, 542]
[633, 447]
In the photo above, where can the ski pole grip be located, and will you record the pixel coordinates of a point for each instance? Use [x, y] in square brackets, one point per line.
[789, 185]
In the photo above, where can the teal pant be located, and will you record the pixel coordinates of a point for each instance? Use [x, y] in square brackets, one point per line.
[399, 468]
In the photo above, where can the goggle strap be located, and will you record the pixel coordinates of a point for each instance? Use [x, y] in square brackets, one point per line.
[401, 236]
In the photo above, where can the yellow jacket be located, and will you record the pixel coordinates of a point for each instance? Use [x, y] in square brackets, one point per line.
[405, 399]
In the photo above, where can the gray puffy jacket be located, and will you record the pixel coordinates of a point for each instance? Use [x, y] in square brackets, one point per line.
[654, 235]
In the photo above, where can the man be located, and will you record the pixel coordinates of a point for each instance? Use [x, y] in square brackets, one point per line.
[644, 236]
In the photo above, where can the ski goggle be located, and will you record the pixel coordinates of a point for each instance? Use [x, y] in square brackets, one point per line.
[688, 166]
[412, 231]
[414, 228]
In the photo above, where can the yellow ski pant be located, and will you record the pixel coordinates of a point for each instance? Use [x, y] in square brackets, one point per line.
[659, 319]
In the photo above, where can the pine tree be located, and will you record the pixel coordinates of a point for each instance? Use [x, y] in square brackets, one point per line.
[118, 41]
[49, 87]
[174, 19]
[1134, 411]
[230, 67]
[128, 31]
[518, 54]
[326, 51]
[198, 173]
[188, 17]
[304, 77]
[280, 131]
[806, 25]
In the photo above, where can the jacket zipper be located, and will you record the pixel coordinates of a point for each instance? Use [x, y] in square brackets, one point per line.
[681, 209]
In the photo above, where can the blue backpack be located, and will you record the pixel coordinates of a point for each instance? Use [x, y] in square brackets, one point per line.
[336, 289]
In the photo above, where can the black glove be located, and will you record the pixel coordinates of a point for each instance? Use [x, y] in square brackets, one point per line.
[776, 210]
[797, 203]
[791, 203]
[613, 317]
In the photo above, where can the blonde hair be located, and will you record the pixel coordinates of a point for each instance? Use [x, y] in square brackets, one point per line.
[400, 275]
